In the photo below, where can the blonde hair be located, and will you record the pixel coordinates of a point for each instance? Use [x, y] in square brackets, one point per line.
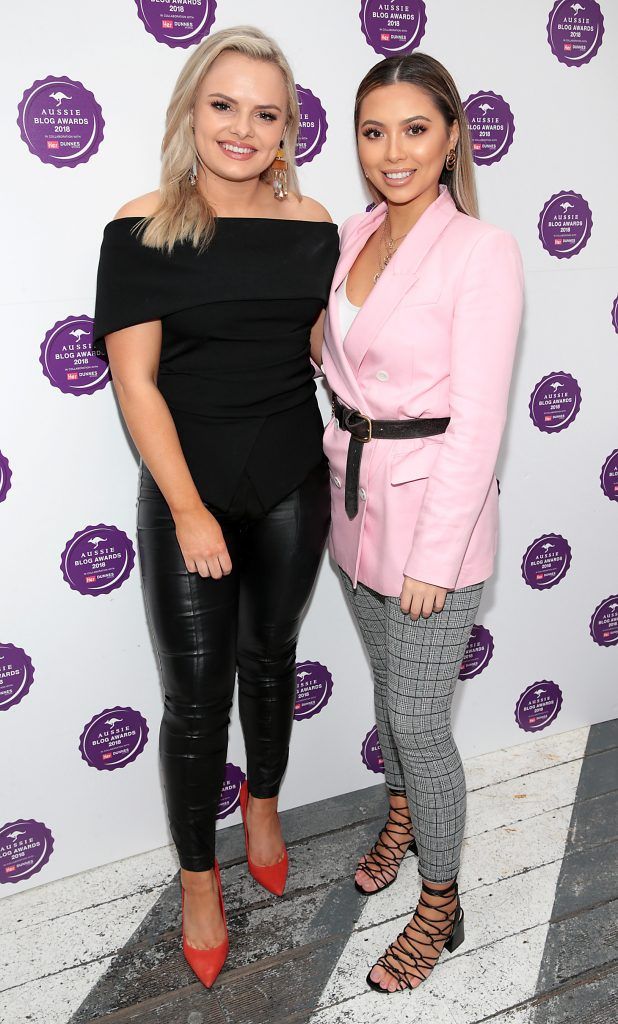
[428, 74]
[183, 214]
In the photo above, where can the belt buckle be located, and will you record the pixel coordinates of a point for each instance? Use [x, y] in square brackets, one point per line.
[360, 416]
[364, 440]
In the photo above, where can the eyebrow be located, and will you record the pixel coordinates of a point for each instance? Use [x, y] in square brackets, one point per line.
[417, 117]
[258, 106]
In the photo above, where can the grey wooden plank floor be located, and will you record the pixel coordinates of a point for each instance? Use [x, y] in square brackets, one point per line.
[539, 884]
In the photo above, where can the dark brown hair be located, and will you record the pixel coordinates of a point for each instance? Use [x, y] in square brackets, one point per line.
[428, 74]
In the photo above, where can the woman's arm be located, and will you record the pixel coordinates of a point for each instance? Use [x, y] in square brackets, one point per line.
[484, 335]
[317, 339]
[314, 211]
[134, 354]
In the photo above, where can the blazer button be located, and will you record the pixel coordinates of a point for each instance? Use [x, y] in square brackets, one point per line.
[382, 375]
[336, 481]
[363, 494]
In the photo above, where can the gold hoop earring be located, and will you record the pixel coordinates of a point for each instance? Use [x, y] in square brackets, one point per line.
[451, 160]
[280, 174]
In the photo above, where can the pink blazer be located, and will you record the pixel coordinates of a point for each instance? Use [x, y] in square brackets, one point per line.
[435, 337]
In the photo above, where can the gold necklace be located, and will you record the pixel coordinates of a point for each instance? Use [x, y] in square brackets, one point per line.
[389, 245]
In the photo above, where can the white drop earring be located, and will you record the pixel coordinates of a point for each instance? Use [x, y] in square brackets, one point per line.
[193, 172]
[279, 168]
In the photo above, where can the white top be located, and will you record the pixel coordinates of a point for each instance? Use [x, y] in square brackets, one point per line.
[347, 310]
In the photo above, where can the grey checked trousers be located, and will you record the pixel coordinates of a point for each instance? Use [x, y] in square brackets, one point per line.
[415, 669]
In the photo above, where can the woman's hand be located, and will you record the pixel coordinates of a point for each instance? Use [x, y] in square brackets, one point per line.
[202, 544]
[421, 598]
[317, 338]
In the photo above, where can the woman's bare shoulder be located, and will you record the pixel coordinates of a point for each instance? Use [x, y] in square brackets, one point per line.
[307, 208]
[143, 206]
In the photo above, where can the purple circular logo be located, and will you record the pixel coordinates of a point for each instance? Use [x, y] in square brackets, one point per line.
[180, 23]
[538, 706]
[609, 476]
[5, 476]
[60, 121]
[615, 315]
[371, 751]
[25, 847]
[113, 738]
[16, 675]
[393, 27]
[604, 622]
[313, 126]
[491, 124]
[575, 31]
[314, 686]
[68, 360]
[546, 561]
[230, 790]
[565, 224]
[555, 402]
[97, 560]
[478, 652]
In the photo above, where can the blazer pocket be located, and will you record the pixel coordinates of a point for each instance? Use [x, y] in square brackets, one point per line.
[423, 293]
[416, 464]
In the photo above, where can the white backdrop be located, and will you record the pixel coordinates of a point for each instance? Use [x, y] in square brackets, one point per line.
[72, 466]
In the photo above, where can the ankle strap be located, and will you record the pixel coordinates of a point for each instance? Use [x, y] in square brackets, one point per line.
[439, 892]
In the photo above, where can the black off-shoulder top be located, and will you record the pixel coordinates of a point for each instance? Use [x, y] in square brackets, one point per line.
[236, 322]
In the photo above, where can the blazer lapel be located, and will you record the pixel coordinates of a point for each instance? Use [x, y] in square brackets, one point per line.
[356, 240]
[398, 278]
[353, 244]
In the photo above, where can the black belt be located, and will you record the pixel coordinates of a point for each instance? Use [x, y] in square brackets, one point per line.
[363, 429]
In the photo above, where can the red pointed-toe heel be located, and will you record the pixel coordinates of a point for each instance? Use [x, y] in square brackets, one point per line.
[206, 963]
[271, 876]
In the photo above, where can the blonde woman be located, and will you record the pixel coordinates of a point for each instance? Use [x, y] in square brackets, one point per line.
[209, 292]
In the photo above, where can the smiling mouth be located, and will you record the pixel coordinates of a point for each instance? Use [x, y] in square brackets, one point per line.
[398, 175]
[237, 151]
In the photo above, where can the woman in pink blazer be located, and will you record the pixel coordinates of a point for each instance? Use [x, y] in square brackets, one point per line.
[419, 342]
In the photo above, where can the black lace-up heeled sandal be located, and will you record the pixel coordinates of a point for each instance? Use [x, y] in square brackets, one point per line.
[410, 958]
[382, 862]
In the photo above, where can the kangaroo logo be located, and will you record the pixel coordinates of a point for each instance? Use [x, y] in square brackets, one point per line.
[112, 721]
[16, 834]
[485, 107]
[613, 607]
[577, 8]
[59, 97]
[555, 385]
[314, 690]
[547, 546]
[78, 333]
[539, 692]
[95, 541]
[566, 205]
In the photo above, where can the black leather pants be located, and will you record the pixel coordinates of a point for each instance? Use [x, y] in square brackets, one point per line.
[206, 629]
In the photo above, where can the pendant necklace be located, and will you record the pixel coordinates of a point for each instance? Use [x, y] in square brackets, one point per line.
[389, 248]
